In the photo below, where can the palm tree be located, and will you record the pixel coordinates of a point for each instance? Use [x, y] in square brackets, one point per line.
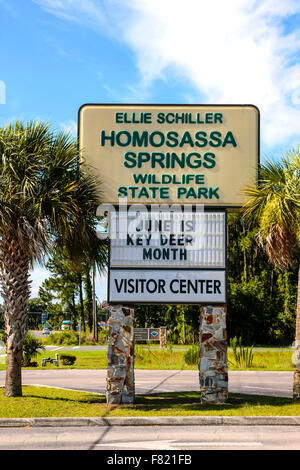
[48, 199]
[274, 204]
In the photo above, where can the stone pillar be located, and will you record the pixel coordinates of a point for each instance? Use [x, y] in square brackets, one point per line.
[120, 356]
[213, 368]
[163, 337]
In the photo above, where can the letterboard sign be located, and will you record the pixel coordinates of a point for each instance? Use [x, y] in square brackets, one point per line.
[167, 258]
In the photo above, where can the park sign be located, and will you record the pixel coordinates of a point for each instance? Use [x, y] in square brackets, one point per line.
[167, 239]
[171, 154]
[159, 256]
[147, 334]
[170, 286]
[168, 174]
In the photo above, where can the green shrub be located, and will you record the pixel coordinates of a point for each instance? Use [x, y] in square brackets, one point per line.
[67, 359]
[170, 343]
[31, 348]
[88, 337]
[71, 338]
[243, 357]
[66, 337]
[103, 336]
[138, 352]
[191, 356]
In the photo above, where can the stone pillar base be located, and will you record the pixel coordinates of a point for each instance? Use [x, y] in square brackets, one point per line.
[120, 355]
[213, 368]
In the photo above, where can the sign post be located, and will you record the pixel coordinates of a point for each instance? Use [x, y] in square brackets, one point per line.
[169, 175]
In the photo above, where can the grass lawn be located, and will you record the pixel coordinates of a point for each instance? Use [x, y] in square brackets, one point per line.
[47, 402]
[166, 359]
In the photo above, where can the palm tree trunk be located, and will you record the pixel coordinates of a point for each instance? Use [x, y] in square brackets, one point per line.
[296, 388]
[14, 274]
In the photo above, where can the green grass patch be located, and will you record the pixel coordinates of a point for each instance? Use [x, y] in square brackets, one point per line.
[267, 360]
[166, 360]
[47, 402]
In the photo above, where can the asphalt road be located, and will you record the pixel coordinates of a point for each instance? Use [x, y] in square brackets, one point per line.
[153, 438]
[154, 381]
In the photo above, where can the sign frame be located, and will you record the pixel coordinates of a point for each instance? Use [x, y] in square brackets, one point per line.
[209, 208]
[169, 302]
[139, 330]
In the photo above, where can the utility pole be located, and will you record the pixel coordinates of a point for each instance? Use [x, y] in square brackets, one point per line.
[79, 333]
[95, 327]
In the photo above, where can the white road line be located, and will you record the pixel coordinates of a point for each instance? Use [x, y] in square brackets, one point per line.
[221, 444]
[151, 445]
[169, 445]
[64, 388]
[266, 388]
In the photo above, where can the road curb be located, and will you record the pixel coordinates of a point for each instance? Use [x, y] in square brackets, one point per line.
[153, 421]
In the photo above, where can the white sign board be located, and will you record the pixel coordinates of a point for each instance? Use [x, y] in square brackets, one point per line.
[166, 239]
[167, 286]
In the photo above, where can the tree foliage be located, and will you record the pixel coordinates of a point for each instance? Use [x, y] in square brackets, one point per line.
[48, 198]
[274, 205]
[261, 299]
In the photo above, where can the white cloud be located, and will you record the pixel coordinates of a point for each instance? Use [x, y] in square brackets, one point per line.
[70, 127]
[2, 92]
[38, 276]
[69, 9]
[236, 51]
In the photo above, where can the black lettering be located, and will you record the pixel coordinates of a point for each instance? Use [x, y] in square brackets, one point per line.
[209, 287]
[129, 240]
[147, 254]
[161, 286]
[130, 289]
[119, 286]
[171, 286]
[192, 286]
[148, 286]
[217, 285]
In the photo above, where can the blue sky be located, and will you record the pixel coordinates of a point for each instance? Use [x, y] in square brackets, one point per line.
[58, 54]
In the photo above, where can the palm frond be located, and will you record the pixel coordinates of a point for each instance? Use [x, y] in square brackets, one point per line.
[46, 195]
[274, 205]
